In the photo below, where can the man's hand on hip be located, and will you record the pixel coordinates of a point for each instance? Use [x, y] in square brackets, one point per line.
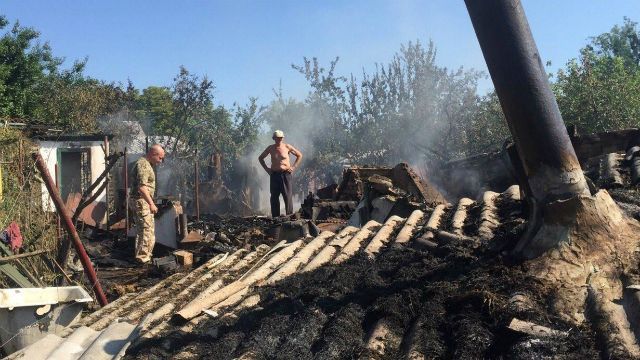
[153, 208]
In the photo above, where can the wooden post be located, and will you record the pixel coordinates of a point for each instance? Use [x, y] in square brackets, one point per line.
[126, 194]
[197, 187]
[106, 179]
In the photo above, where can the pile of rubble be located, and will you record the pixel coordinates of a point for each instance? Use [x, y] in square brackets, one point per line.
[416, 278]
[371, 193]
[430, 286]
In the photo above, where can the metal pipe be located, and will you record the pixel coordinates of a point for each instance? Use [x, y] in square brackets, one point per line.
[520, 80]
[71, 229]
[58, 224]
[197, 187]
[126, 194]
[106, 179]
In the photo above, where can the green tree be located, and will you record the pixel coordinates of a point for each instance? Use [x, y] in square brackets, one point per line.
[488, 129]
[600, 91]
[155, 106]
[75, 103]
[23, 64]
[34, 88]
[621, 42]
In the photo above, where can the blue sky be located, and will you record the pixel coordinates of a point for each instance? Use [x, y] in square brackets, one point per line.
[247, 47]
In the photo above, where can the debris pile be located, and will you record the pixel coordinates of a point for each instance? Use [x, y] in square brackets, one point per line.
[458, 299]
[372, 193]
[415, 278]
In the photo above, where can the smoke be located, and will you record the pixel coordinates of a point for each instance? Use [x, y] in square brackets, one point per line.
[130, 133]
[304, 125]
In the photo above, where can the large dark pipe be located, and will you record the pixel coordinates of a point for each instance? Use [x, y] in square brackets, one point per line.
[71, 229]
[549, 160]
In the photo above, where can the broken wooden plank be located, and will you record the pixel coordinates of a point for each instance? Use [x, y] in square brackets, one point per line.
[9, 258]
[12, 271]
[532, 329]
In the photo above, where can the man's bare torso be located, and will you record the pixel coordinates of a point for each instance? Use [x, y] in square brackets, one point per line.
[280, 157]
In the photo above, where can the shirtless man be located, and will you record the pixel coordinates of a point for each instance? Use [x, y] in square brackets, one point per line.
[280, 172]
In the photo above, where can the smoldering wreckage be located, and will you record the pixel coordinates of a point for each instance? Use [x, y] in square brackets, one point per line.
[529, 252]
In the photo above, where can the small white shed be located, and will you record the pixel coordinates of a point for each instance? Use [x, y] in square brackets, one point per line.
[80, 159]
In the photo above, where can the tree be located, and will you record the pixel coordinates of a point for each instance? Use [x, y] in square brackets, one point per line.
[620, 42]
[488, 129]
[34, 87]
[23, 64]
[600, 91]
[192, 103]
[408, 110]
[155, 106]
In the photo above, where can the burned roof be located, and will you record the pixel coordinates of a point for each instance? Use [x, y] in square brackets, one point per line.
[432, 285]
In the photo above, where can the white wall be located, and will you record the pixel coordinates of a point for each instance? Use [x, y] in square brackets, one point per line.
[49, 152]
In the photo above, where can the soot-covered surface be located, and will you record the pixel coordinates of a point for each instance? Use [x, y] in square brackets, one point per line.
[451, 303]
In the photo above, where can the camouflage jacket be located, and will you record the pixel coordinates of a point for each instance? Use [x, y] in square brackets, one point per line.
[142, 174]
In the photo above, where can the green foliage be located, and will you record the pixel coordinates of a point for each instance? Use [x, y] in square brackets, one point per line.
[36, 90]
[408, 110]
[75, 104]
[621, 42]
[186, 114]
[23, 64]
[600, 91]
[156, 102]
[488, 128]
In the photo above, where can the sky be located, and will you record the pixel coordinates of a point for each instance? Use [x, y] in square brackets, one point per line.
[247, 47]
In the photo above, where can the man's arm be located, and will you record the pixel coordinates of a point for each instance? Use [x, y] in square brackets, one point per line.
[144, 191]
[295, 152]
[261, 160]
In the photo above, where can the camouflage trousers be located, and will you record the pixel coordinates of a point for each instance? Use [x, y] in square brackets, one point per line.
[146, 238]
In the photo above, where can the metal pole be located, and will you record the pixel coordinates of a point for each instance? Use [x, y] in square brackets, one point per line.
[58, 225]
[106, 179]
[71, 229]
[126, 194]
[520, 80]
[197, 187]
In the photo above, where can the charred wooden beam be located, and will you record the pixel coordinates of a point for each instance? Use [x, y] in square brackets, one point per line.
[592, 145]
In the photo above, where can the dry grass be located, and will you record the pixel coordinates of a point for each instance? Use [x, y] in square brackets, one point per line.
[21, 202]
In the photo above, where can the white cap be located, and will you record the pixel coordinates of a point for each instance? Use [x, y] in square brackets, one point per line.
[278, 134]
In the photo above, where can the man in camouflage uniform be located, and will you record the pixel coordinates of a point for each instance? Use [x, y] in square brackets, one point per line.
[143, 186]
